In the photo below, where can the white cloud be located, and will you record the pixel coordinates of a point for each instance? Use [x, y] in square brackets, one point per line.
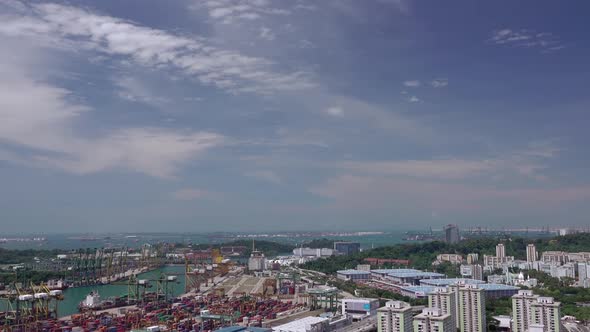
[412, 83]
[335, 111]
[546, 41]
[304, 43]
[305, 7]
[232, 11]
[73, 28]
[413, 99]
[439, 82]
[132, 89]
[189, 194]
[266, 34]
[265, 175]
[44, 123]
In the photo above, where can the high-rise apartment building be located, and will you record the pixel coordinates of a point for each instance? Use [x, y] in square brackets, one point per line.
[472, 258]
[547, 312]
[395, 316]
[443, 298]
[433, 320]
[472, 308]
[531, 253]
[500, 251]
[521, 310]
[477, 272]
[452, 233]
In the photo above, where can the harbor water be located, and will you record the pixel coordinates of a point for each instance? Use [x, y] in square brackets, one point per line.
[73, 296]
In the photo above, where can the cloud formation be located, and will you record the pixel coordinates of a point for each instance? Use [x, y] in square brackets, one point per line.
[335, 111]
[232, 11]
[526, 38]
[412, 83]
[45, 120]
[266, 34]
[59, 25]
[439, 82]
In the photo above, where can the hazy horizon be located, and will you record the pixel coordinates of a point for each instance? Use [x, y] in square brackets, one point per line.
[258, 115]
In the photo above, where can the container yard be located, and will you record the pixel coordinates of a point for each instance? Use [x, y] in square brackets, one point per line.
[200, 313]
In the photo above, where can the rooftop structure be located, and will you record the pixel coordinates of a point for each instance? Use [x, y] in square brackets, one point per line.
[382, 273]
[243, 329]
[412, 277]
[353, 275]
[449, 281]
[307, 324]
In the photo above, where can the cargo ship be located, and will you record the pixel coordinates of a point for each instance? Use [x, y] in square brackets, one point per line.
[94, 302]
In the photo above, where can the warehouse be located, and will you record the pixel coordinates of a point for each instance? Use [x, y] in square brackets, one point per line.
[353, 275]
[412, 277]
[382, 273]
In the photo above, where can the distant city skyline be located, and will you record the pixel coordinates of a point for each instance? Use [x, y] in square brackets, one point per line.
[258, 115]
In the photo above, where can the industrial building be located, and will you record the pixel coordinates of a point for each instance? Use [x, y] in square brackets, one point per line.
[412, 277]
[313, 252]
[449, 281]
[257, 261]
[353, 275]
[360, 308]
[383, 273]
[347, 248]
[307, 324]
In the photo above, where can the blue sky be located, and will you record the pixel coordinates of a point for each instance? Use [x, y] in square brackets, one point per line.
[286, 115]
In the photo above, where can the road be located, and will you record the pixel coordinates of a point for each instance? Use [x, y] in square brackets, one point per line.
[365, 325]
